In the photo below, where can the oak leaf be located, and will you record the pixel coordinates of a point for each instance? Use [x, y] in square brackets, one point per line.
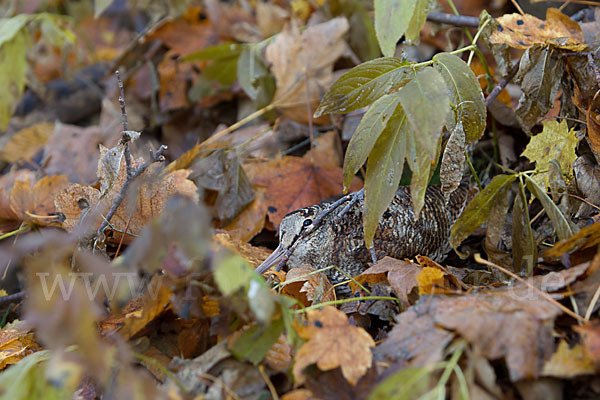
[333, 342]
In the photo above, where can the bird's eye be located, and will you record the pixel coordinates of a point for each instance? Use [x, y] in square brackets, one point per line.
[307, 222]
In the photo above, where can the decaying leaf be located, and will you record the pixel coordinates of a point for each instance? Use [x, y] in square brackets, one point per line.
[16, 342]
[145, 199]
[300, 56]
[333, 342]
[453, 160]
[555, 142]
[568, 362]
[522, 31]
[308, 286]
[27, 142]
[36, 203]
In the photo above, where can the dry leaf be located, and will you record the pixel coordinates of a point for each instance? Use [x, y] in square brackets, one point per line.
[27, 142]
[333, 342]
[568, 362]
[300, 56]
[35, 204]
[310, 289]
[522, 31]
[292, 183]
[590, 333]
[145, 199]
[279, 357]
[252, 254]
[16, 341]
[431, 281]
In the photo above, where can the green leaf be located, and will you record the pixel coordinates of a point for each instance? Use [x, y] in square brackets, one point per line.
[255, 342]
[523, 244]
[422, 8]
[232, 275]
[426, 104]
[406, 384]
[251, 69]
[9, 27]
[223, 71]
[363, 84]
[100, 6]
[465, 94]
[217, 52]
[370, 127]
[391, 21]
[539, 77]
[555, 142]
[384, 170]
[13, 68]
[561, 224]
[478, 209]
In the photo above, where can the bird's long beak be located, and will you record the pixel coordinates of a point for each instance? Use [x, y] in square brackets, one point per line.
[272, 260]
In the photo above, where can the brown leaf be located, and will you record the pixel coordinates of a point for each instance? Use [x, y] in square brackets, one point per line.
[522, 31]
[16, 341]
[146, 197]
[308, 289]
[252, 254]
[588, 236]
[333, 342]
[27, 142]
[35, 204]
[251, 220]
[292, 183]
[590, 333]
[300, 56]
[279, 356]
[431, 281]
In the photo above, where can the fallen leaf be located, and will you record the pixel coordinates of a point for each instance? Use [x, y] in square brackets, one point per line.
[522, 31]
[304, 61]
[555, 142]
[568, 362]
[279, 357]
[16, 342]
[36, 203]
[590, 333]
[431, 281]
[251, 220]
[333, 342]
[311, 289]
[25, 144]
[292, 183]
[146, 198]
[252, 254]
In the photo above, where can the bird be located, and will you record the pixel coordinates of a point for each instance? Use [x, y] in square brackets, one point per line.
[319, 236]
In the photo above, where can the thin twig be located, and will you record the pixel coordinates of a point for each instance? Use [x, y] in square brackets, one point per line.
[154, 157]
[12, 298]
[496, 91]
[125, 138]
[545, 295]
[455, 20]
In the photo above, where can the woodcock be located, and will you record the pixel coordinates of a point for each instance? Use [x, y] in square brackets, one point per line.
[338, 239]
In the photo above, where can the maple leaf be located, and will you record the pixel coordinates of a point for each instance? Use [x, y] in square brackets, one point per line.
[333, 342]
[555, 142]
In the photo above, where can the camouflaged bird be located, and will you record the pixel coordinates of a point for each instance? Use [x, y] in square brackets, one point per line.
[339, 240]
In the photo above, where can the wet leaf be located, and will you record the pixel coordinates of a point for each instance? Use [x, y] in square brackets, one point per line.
[555, 142]
[478, 209]
[539, 76]
[392, 18]
[465, 94]
[363, 85]
[332, 342]
[368, 131]
[384, 170]
[559, 221]
[522, 31]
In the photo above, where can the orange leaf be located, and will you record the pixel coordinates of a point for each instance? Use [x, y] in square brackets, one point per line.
[16, 342]
[29, 202]
[310, 289]
[333, 342]
[430, 279]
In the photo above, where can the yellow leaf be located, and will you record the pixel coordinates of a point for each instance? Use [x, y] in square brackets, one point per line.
[27, 142]
[429, 280]
[555, 142]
